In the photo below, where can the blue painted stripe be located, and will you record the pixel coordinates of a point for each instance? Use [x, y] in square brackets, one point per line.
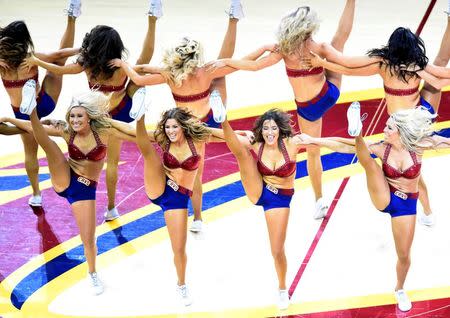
[10, 183]
[52, 269]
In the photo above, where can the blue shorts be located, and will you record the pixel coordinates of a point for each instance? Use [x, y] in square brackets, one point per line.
[402, 204]
[209, 120]
[172, 199]
[79, 189]
[271, 200]
[45, 105]
[122, 111]
[427, 105]
[317, 107]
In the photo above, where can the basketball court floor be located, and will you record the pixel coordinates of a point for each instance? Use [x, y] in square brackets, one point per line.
[341, 266]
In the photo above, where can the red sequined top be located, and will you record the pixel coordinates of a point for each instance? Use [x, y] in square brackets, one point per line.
[189, 164]
[287, 169]
[291, 72]
[96, 154]
[393, 173]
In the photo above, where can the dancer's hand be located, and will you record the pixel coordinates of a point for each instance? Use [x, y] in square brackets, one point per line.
[248, 134]
[4, 65]
[313, 60]
[29, 62]
[115, 63]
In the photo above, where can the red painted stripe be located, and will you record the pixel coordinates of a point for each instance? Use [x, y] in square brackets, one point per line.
[425, 17]
[317, 237]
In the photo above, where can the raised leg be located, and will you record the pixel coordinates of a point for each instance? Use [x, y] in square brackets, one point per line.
[148, 48]
[52, 83]
[250, 176]
[57, 163]
[341, 36]
[154, 175]
[428, 92]
[376, 181]
[227, 50]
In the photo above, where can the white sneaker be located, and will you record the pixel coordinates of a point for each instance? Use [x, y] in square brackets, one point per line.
[155, 9]
[35, 200]
[320, 209]
[427, 220]
[96, 284]
[111, 214]
[354, 119]
[236, 11]
[138, 107]
[403, 302]
[183, 293]
[196, 226]
[28, 97]
[74, 9]
[216, 104]
[283, 299]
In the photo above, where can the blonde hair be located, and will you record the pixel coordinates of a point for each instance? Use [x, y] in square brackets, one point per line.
[296, 27]
[192, 127]
[182, 60]
[414, 126]
[96, 105]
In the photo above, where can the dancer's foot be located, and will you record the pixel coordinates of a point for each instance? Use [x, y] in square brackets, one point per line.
[236, 11]
[138, 107]
[155, 9]
[283, 299]
[354, 119]
[74, 8]
[96, 284]
[403, 302]
[111, 214]
[320, 209]
[183, 293]
[35, 200]
[217, 107]
[28, 97]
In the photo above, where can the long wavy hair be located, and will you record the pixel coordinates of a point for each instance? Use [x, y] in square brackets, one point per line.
[15, 43]
[191, 126]
[281, 118]
[414, 126]
[296, 27]
[182, 60]
[404, 49]
[100, 45]
[96, 105]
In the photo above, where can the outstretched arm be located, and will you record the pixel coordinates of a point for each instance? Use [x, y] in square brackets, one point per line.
[438, 71]
[140, 80]
[57, 55]
[73, 68]
[249, 65]
[9, 130]
[25, 125]
[434, 81]
[335, 56]
[435, 142]
[245, 137]
[367, 70]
